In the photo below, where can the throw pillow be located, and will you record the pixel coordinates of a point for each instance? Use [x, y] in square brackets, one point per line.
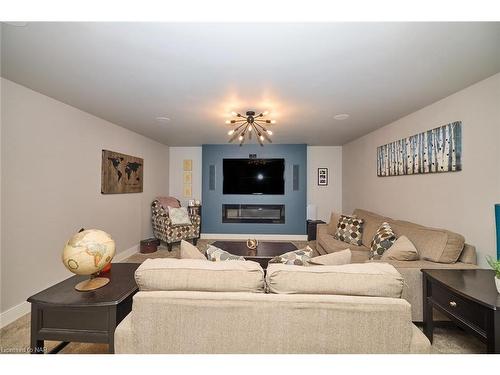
[349, 230]
[215, 254]
[189, 251]
[168, 202]
[383, 240]
[402, 249]
[296, 257]
[337, 258]
[179, 216]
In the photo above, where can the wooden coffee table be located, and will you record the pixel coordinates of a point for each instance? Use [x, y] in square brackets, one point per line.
[469, 298]
[61, 313]
[266, 250]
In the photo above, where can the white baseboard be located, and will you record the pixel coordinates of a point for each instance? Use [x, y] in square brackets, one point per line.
[23, 308]
[125, 254]
[14, 313]
[231, 236]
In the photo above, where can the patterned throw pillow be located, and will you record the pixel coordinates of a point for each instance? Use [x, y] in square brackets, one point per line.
[297, 257]
[384, 238]
[189, 251]
[179, 216]
[349, 230]
[215, 254]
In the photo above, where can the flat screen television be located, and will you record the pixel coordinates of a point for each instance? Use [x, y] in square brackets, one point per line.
[253, 176]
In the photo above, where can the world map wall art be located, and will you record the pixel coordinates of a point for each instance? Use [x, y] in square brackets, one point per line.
[434, 151]
[121, 173]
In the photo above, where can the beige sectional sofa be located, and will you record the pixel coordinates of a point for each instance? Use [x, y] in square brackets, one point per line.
[198, 306]
[437, 248]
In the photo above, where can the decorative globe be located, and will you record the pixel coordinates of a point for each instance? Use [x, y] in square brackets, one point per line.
[252, 244]
[88, 252]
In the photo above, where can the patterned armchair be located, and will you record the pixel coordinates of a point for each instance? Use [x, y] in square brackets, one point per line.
[165, 231]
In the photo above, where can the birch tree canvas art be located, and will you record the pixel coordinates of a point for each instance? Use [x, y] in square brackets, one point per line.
[434, 151]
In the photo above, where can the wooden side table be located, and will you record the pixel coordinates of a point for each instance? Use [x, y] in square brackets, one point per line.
[196, 210]
[469, 298]
[311, 228]
[61, 313]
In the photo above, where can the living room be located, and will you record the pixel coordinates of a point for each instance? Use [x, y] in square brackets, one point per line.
[337, 179]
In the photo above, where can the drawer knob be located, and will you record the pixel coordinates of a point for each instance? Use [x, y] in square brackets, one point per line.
[453, 304]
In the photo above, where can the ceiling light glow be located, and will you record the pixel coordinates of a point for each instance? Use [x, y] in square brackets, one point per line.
[250, 123]
[341, 116]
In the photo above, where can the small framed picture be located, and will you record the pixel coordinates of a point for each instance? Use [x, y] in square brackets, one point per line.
[187, 191]
[187, 165]
[187, 177]
[322, 176]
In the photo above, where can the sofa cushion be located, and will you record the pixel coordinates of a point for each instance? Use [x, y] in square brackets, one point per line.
[402, 249]
[468, 254]
[296, 257]
[384, 238]
[371, 222]
[200, 275]
[349, 230]
[423, 264]
[332, 225]
[189, 251]
[376, 280]
[333, 259]
[437, 245]
[331, 245]
[215, 254]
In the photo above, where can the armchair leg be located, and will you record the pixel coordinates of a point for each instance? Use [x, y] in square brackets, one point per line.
[195, 241]
[169, 246]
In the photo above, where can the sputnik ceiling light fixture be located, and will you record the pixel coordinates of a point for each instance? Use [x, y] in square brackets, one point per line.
[251, 123]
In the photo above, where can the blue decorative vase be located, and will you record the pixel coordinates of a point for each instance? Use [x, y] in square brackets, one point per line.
[497, 219]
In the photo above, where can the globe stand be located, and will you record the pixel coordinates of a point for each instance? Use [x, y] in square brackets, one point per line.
[92, 284]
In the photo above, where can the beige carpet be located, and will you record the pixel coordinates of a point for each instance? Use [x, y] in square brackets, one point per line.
[15, 337]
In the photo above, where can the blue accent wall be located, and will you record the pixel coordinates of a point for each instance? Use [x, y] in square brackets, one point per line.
[294, 201]
[497, 220]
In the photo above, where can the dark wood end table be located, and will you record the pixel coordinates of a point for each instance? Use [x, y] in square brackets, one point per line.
[265, 251]
[311, 227]
[61, 313]
[196, 210]
[469, 298]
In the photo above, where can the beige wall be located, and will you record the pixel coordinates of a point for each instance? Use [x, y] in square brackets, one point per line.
[176, 182]
[460, 201]
[51, 166]
[325, 198]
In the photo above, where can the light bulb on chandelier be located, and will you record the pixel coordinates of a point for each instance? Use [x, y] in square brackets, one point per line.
[248, 123]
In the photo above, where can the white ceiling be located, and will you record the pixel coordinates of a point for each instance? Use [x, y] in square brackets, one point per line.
[195, 74]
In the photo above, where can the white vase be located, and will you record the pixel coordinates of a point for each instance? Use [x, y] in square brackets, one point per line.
[497, 282]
